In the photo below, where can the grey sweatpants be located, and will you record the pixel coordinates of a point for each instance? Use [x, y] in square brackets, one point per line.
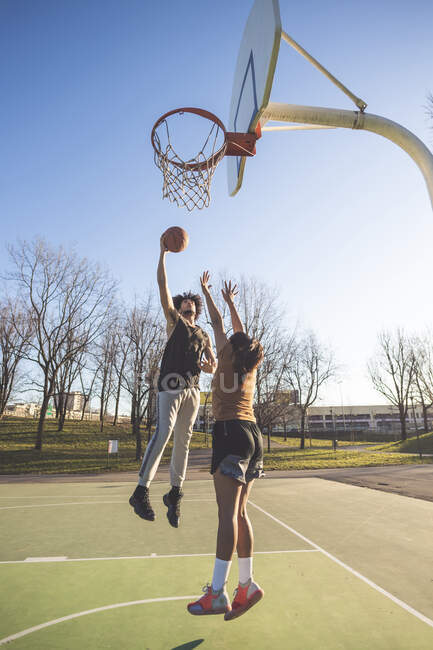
[176, 412]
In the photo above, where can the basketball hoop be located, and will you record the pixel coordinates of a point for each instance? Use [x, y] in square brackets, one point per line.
[187, 182]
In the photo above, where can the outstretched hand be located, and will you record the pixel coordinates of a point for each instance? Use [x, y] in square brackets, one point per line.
[164, 248]
[229, 291]
[204, 281]
[208, 366]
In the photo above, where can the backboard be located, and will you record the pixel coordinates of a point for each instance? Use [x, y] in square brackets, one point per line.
[253, 78]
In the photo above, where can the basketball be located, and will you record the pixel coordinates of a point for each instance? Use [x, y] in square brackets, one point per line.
[176, 239]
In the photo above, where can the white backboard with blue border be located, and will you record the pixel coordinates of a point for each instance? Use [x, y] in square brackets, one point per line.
[253, 79]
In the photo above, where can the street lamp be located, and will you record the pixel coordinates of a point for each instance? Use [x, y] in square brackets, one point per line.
[342, 407]
[411, 397]
[334, 434]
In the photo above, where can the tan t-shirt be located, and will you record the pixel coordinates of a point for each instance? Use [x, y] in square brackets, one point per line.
[230, 400]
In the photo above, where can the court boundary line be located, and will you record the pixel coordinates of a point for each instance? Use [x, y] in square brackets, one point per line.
[82, 503]
[381, 590]
[152, 556]
[35, 628]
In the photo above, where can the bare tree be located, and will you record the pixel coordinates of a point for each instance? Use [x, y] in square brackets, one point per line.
[104, 354]
[87, 381]
[144, 338]
[153, 363]
[272, 396]
[392, 371]
[423, 375]
[311, 365]
[262, 314]
[65, 297]
[121, 356]
[67, 375]
[15, 335]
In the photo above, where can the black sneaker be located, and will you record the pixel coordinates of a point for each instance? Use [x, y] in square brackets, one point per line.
[141, 503]
[172, 501]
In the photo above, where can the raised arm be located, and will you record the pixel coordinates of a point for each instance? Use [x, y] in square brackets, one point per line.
[229, 292]
[170, 312]
[215, 316]
[208, 363]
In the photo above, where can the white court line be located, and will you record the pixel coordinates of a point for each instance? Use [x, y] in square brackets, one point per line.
[62, 496]
[52, 558]
[29, 630]
[152, 556]
[382, 591]
[81, 496]
[79, 503]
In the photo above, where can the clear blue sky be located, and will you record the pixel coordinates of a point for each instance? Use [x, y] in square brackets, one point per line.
[340, 221]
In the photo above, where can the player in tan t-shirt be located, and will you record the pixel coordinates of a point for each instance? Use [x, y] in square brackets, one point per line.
[237, 459]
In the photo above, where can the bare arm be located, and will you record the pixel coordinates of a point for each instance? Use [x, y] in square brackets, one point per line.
[229, 292]
[170, 312]
[209, 362]
[215, 316]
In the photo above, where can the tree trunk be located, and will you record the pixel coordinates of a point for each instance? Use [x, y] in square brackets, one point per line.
[268, 428]
[85, 402]
[302, 445]
[402, 415]
[40, 431]
[61, 421]
[116, 408]
[119, 387]
[101, 409]
[424, 415]
[62, 412]
[137, 433]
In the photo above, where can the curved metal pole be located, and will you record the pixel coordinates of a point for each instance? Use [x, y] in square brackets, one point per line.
[357, 120]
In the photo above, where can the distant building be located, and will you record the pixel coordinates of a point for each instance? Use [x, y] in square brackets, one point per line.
[381, 418]
[74, 401]
[27, 410]
[74, 407]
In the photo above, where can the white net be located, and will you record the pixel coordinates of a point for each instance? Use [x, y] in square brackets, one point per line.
[187, 183]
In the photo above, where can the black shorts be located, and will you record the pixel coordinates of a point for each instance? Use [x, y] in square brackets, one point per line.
[237, 449]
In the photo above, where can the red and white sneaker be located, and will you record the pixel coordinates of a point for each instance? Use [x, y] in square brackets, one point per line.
[213, 602]
[246, 595]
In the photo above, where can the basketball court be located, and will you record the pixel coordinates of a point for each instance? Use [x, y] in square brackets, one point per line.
[342, 567]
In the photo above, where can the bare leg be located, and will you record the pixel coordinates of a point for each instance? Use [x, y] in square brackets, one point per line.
[245, 544]
[228, 492]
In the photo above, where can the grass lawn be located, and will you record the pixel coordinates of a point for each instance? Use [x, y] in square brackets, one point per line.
[322, 459]
[411, 445]
[318, 457]
[294, 443]
[82, 448]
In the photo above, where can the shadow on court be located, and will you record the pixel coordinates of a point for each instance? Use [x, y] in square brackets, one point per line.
[189, 646]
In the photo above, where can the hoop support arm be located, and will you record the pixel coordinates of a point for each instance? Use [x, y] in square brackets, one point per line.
[402, 137]
[360, 103]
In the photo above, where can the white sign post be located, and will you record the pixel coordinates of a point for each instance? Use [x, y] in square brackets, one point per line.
[113, 448]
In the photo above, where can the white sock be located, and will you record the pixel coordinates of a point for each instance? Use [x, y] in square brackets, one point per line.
[245, 569]
[220, 573]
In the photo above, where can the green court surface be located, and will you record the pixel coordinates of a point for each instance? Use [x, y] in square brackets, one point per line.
[342, 567]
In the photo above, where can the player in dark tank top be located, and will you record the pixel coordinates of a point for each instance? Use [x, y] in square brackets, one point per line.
[188, 351]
